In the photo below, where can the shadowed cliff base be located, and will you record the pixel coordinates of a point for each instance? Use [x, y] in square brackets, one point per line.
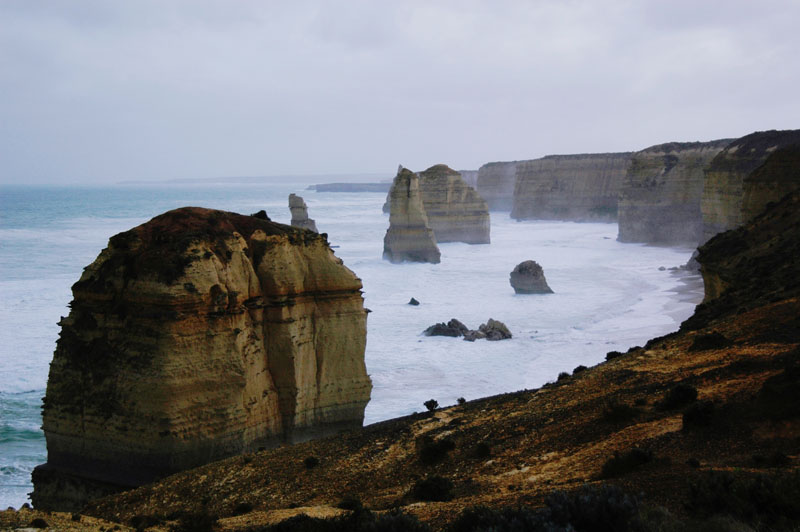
[687, 425]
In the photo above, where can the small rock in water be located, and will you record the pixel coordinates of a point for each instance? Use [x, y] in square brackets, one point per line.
[495, 330]
[413, 301]
[528, 278]
[661, 268]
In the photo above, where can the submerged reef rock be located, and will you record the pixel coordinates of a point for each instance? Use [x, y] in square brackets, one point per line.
[409, 237]
[495, 330]
[452, 328]
[495, 183]
[455, 211]
[659, 202]
[749, 173]
[579, 188]
[528, 278]
[297, 206]
[195, 336]
[491, 330]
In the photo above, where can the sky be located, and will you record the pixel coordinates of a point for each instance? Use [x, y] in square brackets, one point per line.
[102, 91]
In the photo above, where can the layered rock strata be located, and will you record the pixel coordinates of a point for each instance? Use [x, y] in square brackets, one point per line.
[299, 209]
[409, 237]
[528, 278]
[749, 173]
[455, 211]
[495, 183]
[580, 188]
[195, 336]
[659, 201]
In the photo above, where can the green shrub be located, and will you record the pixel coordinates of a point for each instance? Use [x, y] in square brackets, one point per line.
[432, 451]
[623, 463]
[698, 415]
[431, 404]
[712, 340]
[679, 395]
[433, 488]
[311, 462]
[615, 412]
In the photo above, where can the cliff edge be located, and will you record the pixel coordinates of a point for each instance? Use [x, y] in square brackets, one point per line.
[195, 336]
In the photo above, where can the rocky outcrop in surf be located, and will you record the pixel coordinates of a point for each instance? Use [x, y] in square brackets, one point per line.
[195, 336]
[659, 201]
[299, 209]
[409, 237]
[582, 187]
[455, 211]
[528, 278]
[748, 174]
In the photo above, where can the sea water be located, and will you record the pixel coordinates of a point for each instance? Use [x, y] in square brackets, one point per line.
[608, 296]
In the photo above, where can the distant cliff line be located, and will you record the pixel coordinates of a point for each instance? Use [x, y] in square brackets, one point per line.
[676, 193]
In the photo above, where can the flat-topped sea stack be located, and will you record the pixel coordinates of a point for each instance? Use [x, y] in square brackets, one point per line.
[495, 184]
[299, 209]
[579, 188]
[455, 211]
[749, 173]
[470, 177]
[195, 336]
[409, 237]
[528, 278]
[659, 201]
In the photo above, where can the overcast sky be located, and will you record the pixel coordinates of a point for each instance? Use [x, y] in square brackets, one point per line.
[104, 90]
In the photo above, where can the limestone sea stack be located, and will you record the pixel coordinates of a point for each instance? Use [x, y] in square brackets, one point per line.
[455, 211]
[528, 278]
[659, 201]
[578, 188]
[299, 209]
[495, 184]
[748, 174]
[409, 237]
[470, 177]
[195, 336]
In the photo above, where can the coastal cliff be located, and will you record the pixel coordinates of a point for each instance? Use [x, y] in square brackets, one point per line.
[583, 187]
[195, 336]
[699, 427]
[659, 200]
[495, 184]
[736, 185]
[455, 211]
[409, 237]
[470, 177]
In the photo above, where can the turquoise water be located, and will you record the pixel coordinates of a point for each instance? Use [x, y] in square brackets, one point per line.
[608, 296]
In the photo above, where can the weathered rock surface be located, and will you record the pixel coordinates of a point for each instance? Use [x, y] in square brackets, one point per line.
[659, 201]
[495, 330]
[495, 184]
[455, 211]
[452, 328]
[528, 278]
[409, 237]
[579, 188]
[758, 167]
[299, 209]
[198, 335]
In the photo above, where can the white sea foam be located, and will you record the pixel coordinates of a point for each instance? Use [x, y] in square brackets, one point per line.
[608, 296]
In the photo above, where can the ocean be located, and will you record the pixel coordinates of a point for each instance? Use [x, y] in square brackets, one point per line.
[609, 296]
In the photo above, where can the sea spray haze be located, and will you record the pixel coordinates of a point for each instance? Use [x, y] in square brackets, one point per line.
[608, 296]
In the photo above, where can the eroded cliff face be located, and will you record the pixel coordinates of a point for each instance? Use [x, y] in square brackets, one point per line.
[470, 177]
[299, 210]
[583, 187]
[495, 184]
[455, 211]
[195, 336]
[409, 237]
[737, 173]
[659, 200]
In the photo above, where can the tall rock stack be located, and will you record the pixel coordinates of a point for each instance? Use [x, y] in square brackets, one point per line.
[660, 197]
[455, 211]
[299, 209]
[470, 177]
[495, 184]
[195, 336]
[409, 237]
[578, 188]
[749, 173]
